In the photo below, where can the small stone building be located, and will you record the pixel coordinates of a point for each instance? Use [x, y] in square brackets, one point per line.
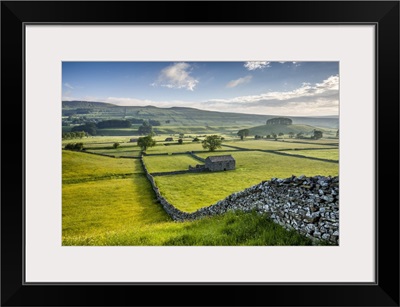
[133, 140]
[220, 163]
[279, 121]
[169, 139]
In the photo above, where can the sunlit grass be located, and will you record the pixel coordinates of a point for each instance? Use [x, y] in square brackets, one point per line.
[109, 206]
[175, 148]
[169, 163]
[273, 145]
[121, 208]
[118, 152]
[189, 192]
[77, 166]
[330, 154]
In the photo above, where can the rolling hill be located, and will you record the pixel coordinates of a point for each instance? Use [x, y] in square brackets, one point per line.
[183, 116]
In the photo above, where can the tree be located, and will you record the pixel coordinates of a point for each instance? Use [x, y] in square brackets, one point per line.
[74, 146]
[337, 133]
[243, 133]
[281, 134]
[317, 134]
[212, 142]
[291, 134]
[300, 135]
[145, 129]
[196, 139]
[180, 141]
[90, 128]
[145, 142]
[154, 122]
[116, 145]
[114, 123]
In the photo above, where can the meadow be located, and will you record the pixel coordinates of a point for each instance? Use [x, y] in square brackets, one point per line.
[169, 163]
[108, 201]
[264, 144]
[192, 191]
[330, 154]
[117, 207]
[79, 167]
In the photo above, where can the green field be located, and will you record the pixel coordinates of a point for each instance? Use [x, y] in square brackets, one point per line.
[99, 140]
[330, 154]
[286, 129]
[103, 210]
[331, 142]
[78, 167]
[273, 145]
[122, 151]
[175, 148]
[169, 163]
[189, 192]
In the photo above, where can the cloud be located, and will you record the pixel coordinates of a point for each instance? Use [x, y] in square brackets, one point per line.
[239, 81]
[256, 65]
[68, 85]
[176, 76]
[318, 98]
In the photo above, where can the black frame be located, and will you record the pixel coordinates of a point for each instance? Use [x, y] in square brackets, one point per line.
[383, 14]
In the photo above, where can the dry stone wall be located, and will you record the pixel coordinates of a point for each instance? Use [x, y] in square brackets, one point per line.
[309, 205]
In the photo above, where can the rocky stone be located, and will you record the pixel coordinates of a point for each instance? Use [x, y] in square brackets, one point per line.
[294, 202]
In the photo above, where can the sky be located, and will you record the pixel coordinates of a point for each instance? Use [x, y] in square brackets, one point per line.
[257, 87]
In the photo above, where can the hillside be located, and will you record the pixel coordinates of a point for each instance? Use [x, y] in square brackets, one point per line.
[181, 116]
[85, 105]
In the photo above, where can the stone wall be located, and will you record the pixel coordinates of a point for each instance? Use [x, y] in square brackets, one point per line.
[309, 205]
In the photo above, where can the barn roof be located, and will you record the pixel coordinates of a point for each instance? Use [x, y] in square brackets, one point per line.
[221, 158]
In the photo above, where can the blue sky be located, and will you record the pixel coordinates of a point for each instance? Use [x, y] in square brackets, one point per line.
[258, 87]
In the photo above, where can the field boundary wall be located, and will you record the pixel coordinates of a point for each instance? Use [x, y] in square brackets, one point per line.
[309, 205]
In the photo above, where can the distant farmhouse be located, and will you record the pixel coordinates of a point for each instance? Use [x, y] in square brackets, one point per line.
[216, 163]
[169, 139]
[279, 121]
[133, 140]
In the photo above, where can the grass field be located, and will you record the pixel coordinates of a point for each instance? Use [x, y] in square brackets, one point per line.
[332, 142]
[122, 151]
[98, 140]
[189, 192]
[169, 163]
[274, 145]
[78, 167]
[175, 148]
[102, 210]
[286, 129]
[330, 154]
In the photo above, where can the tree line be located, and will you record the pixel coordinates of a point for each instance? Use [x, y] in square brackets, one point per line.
[92, 128]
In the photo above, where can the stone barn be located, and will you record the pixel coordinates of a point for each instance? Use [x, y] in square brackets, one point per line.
[220, 163]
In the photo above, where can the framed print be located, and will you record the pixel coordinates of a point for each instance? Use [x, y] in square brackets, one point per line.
[254, 152]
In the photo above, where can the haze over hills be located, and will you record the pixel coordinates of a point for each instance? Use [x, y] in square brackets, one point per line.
[185, 116]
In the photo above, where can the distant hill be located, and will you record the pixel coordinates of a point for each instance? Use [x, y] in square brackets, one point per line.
[183, 116]
[270, 129]
[74, 104]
